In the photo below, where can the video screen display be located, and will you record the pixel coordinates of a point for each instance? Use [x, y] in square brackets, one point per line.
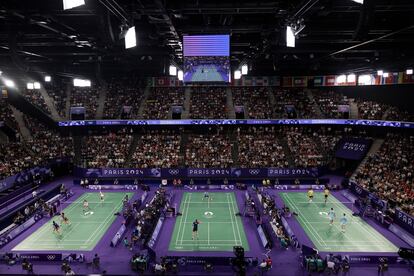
[206, 58]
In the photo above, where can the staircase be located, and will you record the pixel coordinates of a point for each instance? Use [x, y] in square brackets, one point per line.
[187, 101]
[272, 100]
[77, 148]
[68, 96]
[231, 113]
[288, 153]
[101, 100]
[136, 138]
[376, 145]
[385, 115]
[25, 132]
[3, 138]
[50, 104]
[234, 148]
[184, 141]
[315, 105]
[142, 106]
[353, 110]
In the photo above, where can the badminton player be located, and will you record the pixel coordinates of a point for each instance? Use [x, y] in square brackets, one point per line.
[56, 227]
[310, 195]
[331, 215]
[343, 221]
[86, 208]
[326, 194]
[195, 229]
[64, 218]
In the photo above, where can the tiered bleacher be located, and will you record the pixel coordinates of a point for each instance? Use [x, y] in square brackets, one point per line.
[160, 101]
[292, 103]
[209, 151]
[158, 149]
[255, 100]
[261, 147]
[57, 91]
[122, 93]
[106, 150]
[389, 172]
[208, 103]
[86, 97]
[35, 97]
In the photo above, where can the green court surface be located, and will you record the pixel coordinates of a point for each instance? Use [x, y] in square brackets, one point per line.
[313, 218]
[84, 232]
[220, 229]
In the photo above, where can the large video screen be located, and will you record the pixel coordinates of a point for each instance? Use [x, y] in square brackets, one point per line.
[206, 58]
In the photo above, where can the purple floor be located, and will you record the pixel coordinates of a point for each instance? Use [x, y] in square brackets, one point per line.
[116, 260]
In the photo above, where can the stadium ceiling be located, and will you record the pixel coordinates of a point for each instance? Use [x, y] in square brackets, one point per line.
[339, 35]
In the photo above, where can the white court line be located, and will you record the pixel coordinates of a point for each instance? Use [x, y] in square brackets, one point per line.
[235, 211]
[186, 215]
[309, 226]
[103, 224]
[213, 202]
[226, 222]
[367, 228]
[181, 218]
[208, 232]
[340, 230]
[231, 218]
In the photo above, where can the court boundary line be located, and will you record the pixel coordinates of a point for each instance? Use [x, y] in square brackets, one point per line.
[179, 225]
[181, 243]
[235, 211]
[378, 239]
[231, 218]
[68, 210]
[309, 226]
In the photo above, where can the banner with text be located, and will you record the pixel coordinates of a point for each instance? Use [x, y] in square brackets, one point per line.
[196, 173]
[352, 148]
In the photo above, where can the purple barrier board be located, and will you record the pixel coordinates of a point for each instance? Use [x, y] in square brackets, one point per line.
[373, 123]
[43, 257]
[405, 221]
[361, 192]
[197, 173]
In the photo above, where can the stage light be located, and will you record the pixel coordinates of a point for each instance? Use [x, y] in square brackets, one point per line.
[130, 38]
[30, 85]
[351, 78]
[359, 1]
[1, 72]
[48, 78]
[36, 85]
[290, 37]
[385, 75]
[341, 79]
[173, 70]
[244, 69]
[409, 71]
[81, 83]
[69, 4]
[237, 74]
[180, 75]
[364, 80]
[9, 83]
[380, 72]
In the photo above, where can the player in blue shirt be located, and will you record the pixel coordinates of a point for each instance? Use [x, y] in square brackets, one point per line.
[343, 221]
[331, 215]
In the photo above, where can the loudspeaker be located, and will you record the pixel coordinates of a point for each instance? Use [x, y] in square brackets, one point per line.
[238, 252]
[406, 253]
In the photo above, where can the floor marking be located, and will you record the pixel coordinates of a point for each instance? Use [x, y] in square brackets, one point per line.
[235, 211]
[179, 225]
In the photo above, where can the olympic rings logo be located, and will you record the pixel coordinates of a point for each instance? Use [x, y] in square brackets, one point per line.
[254, 172]
[174, 171]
